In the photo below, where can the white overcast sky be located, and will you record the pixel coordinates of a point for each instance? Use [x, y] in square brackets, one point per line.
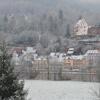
[90, 1]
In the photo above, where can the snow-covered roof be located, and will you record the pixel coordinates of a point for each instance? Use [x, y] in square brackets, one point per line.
[40, 58]
[92, 51]
[71, 49]
[30, 50]
[70, 52]
[81, 22]
[52, 54]
[91, 39]
[62, 54]
[79, 57]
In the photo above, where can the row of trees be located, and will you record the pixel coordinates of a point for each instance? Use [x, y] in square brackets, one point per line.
[27, 29]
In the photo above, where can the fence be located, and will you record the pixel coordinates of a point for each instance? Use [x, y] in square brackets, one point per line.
[59, 71]
[55, 71]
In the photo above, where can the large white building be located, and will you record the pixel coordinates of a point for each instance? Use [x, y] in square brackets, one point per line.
[81, 27]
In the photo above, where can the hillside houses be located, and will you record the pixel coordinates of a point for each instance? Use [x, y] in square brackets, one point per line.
[91, 57]
[73, 56]
[30, 64]
[26, 54]
[69, 59]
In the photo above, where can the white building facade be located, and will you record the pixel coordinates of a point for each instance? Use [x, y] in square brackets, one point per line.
[81, 27]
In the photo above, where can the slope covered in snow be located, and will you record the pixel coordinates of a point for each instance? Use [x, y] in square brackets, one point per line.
[60, 90]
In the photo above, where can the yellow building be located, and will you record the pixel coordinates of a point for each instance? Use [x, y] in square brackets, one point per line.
[75, 62]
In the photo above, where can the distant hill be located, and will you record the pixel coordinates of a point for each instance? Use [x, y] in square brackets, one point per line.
[72, 9]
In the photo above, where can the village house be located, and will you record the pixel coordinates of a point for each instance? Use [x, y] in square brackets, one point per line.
[94, 30]
[15, 58]
[57, 57]
[29, 54]
[70, 51]
[81, 27]
[90, 58]
[75, 62]
[23, 54]
[18, 50]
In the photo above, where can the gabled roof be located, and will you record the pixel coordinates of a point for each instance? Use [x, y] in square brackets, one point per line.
[81, 22]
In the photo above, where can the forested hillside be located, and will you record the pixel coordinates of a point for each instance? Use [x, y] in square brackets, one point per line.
[43, 23]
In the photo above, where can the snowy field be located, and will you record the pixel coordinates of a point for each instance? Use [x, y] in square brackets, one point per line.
[60, 90]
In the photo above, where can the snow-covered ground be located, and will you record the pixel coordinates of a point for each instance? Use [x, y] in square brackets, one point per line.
[60, 90]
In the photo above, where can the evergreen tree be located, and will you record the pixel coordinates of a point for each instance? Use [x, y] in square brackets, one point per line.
[61, 16]
[10, 87]
[68, 31]
[51, 24]
[5, 23]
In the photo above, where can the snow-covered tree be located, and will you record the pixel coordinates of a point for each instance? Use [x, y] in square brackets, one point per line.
[10, 87]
